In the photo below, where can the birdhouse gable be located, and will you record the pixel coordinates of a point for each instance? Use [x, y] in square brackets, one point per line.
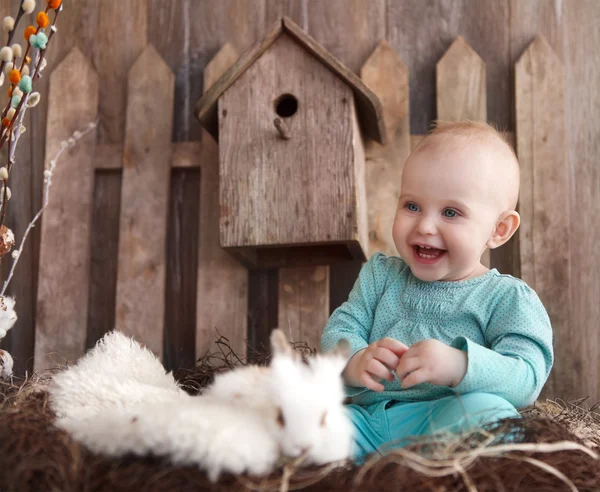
[368, 106]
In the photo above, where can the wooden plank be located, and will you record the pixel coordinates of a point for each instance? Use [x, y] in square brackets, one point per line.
[545, 237]
[581, 38]
[460, 84]
[104, 252]
[222, 291]
[387, 76]
[63, 278]
[461, 90]
[185, 155]
[303, 309]
[144, 201]
[121, 41]
[182, 269]
[262, 310]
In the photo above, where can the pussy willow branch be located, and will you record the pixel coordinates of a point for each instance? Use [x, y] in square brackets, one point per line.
[39, 58]
[11, 34]
[70, 142]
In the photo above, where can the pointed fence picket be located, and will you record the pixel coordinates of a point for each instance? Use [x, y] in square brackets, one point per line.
[62, 298]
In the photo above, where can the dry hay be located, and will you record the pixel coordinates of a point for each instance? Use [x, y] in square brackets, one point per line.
[556, 452]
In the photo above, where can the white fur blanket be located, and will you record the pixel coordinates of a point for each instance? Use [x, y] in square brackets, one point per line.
[118, 399]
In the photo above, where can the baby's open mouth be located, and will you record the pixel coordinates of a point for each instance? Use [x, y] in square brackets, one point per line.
[428, 253]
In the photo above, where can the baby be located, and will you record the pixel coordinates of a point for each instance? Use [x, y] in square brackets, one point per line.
[438, 341]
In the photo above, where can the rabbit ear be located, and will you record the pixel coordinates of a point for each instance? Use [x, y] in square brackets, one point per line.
[342, 349]
[279, 343]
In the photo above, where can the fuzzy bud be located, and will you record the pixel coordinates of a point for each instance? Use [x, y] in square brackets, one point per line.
[7, 240]
[2, 77]
[6, 54]
[34, 98]
[25, 70]
[6, 361]
[8, 24]
[3, 173]
[28, 6]
[15, 254]
[26, 84]
[17, 92]
[17, 50]
[8, 68]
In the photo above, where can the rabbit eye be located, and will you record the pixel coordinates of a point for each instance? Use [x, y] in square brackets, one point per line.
[323, 418]
[280, 419]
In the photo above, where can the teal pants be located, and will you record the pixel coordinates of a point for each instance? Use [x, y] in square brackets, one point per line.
[388, 424]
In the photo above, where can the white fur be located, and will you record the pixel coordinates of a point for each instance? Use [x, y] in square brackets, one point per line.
[8, 316]
[118, 399]
[6, 365]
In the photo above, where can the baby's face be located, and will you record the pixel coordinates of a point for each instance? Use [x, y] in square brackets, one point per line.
[451, 199]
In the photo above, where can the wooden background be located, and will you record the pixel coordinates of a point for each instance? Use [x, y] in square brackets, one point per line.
[187, 34]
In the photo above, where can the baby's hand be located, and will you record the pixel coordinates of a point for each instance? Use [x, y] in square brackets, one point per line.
[431, 361]
[369, 366]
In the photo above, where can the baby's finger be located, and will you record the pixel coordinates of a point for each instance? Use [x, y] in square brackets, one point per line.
[386, 357]
[377, 369]
[367, 380]
[406, 366]
[394, 345]
[417, 377]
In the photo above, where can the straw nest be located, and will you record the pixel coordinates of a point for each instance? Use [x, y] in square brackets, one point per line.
[558, 451]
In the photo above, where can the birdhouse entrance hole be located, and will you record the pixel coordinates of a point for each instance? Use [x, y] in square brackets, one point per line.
[286, 105]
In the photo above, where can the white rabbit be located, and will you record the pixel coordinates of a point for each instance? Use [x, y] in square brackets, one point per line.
[118, 400]
[303, 398]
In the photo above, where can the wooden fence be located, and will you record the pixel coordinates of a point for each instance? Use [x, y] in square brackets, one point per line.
[66, 307]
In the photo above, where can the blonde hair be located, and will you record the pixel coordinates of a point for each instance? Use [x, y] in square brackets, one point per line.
[479, 130]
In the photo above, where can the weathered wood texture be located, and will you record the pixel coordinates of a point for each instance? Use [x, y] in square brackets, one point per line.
[66, 228]
[461, 90]
[140, 306]
[222, 296]
[545, 235]
[582, 73]
[296, 191]
[387, 76]
[304, 303]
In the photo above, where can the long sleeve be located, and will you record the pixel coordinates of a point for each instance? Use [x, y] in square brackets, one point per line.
[518, 356]
[353, 320]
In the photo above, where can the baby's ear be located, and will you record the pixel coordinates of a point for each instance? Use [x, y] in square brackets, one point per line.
[506, 226]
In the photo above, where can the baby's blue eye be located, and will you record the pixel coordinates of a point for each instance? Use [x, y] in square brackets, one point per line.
[450, 213]
[412, 207]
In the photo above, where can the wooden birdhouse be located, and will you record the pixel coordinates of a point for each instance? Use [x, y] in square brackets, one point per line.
[291, 121]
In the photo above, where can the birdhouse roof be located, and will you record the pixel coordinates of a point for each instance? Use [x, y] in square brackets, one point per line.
[368, 105]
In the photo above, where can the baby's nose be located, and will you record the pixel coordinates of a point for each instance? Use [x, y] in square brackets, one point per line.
[426, 226]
